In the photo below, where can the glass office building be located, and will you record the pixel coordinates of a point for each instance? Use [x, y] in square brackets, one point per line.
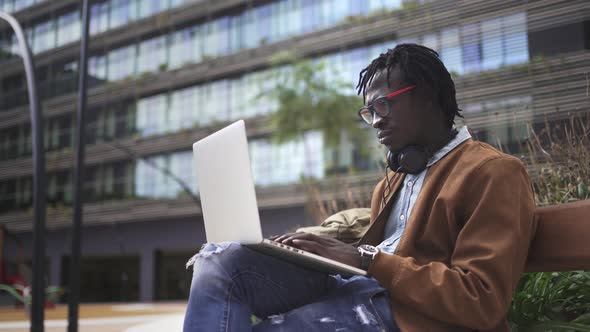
[165, 73]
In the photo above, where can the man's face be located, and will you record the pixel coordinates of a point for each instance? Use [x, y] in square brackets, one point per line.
[403, 126]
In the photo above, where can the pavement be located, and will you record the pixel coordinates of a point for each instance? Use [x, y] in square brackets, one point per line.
[135, 317]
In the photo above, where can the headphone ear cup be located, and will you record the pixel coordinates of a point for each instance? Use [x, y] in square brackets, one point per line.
[392, 161]
[413, 160]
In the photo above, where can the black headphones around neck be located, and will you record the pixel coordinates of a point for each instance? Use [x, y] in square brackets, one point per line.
[413, 159]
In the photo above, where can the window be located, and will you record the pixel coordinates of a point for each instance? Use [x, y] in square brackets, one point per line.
[327, 17]
[294, 17]
[66, 132]
[279, 20]
[310, 14]
[122, 12]
[206, 108]
[431, 41]
[68, 28]
[91, 187]
[124, 119]
[182, 166]
[182, 48]
[44, 36]
[450, 50]
[22, 4]
[153, 55]
[184, 106]
[5, 46]
[97, 70]
[235, 27]
[176, 3]
[393, 4]
[151, 115]
[220, 95]
[8, 143]
[150, 181]
[108, 122]
[151, 7]
[199, 45]
[357, 59]
[24, 189]
[144, 179]
[25, 144]
[332, 64]
[51, 136]
[492, 44]
[257, 84]
[240, 107]
[471, 48]
[249, 87]
[30, 34]
[99, 17]
[259, 151]
[263, 24]
[313, 146]
[121, 63]
[374, 5]
[515, 39]
[217, 37]
[274, 164]
[7, 195]
[7, 6]
[248, 29]
[340, 10]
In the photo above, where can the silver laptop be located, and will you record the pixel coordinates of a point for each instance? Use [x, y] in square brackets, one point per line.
[228, 200]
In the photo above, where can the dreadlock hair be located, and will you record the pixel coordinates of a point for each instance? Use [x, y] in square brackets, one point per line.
[420, 66]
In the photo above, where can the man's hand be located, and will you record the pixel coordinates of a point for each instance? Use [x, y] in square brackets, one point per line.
[324, 246]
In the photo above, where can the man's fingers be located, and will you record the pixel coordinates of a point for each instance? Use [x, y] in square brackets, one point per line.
[309, 246]
[281, 238]
[301, 236]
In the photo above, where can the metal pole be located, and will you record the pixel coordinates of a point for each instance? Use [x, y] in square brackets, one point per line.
[38, 291]
[78, 192]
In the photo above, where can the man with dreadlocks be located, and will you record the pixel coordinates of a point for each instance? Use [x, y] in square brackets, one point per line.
[451, 225]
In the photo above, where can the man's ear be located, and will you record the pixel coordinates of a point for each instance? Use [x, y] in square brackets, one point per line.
[430, 99]
[427, 98]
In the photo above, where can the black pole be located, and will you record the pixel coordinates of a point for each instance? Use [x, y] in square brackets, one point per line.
[38, 291]
[78, 192]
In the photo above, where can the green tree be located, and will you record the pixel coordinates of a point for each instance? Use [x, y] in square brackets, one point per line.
[307, 99]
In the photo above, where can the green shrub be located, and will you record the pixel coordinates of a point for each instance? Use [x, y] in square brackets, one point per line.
[559, 161]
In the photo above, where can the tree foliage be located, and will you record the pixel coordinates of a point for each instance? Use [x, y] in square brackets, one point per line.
[308, 100]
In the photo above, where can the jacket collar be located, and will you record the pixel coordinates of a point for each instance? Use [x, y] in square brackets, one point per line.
[461, 137]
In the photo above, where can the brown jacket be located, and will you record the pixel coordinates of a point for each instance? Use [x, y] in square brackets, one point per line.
[465, 244]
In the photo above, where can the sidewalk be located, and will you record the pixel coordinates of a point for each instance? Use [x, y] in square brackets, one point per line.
[138, 317]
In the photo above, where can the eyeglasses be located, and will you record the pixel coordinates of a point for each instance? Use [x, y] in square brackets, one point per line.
[381, 105]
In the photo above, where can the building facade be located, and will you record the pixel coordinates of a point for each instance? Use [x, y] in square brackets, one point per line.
[165, 73]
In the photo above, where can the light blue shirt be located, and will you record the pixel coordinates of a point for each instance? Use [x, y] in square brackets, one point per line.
[408, 194]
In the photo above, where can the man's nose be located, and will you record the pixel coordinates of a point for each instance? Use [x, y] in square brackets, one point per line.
[377, 119]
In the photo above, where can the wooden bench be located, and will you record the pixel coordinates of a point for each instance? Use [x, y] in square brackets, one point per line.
[562, 239]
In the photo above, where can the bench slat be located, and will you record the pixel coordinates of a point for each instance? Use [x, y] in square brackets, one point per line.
[562, 239]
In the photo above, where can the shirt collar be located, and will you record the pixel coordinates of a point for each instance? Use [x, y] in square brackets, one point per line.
[461, 137]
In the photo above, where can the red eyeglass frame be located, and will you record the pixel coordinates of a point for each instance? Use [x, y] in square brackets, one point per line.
[372, 109]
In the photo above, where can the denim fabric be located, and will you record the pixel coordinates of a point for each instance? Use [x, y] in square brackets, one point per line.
[232, 282]
[408, 195]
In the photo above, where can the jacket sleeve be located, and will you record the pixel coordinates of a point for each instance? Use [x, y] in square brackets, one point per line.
[474, 289]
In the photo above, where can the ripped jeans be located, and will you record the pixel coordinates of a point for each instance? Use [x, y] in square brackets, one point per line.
[232, 282]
